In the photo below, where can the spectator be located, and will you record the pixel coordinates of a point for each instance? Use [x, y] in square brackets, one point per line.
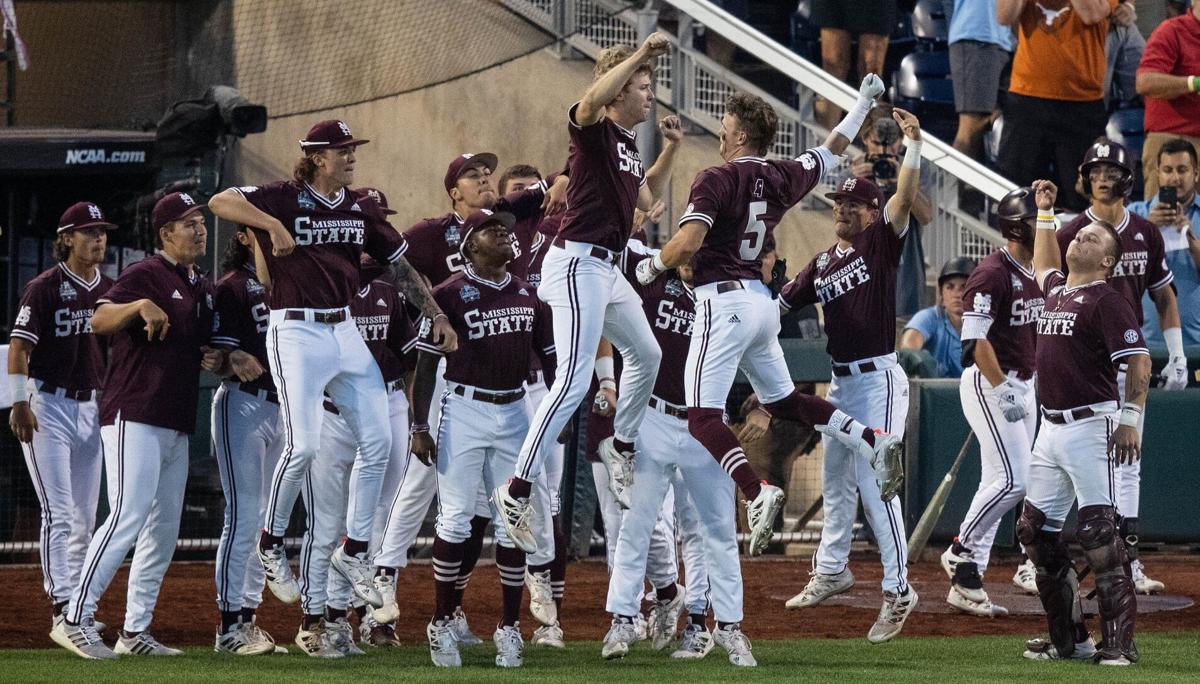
[1168, 78]
[1124, 50]
[937, 330]
[980, 49]
[1179, 223]
[872, 21]
[1055, 103]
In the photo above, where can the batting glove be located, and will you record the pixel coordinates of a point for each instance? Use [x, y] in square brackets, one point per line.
[649, 269]
[871, 87]
[1010, 401]
[1175, 373]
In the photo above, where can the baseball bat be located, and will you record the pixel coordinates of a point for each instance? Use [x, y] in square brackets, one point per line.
[933, 511]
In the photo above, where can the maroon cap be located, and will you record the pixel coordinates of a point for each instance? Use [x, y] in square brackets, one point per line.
[329, 134]
[468, 161]
[173, 207]
[380, 199]
[481, 218]
[858, 190]
[83, 215]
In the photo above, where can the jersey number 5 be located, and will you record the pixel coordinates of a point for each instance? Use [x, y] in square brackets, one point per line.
[752, 240]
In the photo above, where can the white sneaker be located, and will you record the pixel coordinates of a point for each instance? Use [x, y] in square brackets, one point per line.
[359, 572]
[317, 642]
[639, 627]
[541, 597]
[617, 641]
[697, 642]
[896, 609]
[509, 646]
[736, 644]
[443, 646]
[241, 640]
[1042, 649]
[462, 631]
[760, 516]
[99, 626]
[143, 645]
[280, 579]
[389, 612]
[514, 513]
[83, 640]
[664, 620]
[821, 587]
[1141, 583]
[341, 637]
[887, 459]
[1025, 578]
[965, 579]
[983, 608]
[619, 465]
[549, 635]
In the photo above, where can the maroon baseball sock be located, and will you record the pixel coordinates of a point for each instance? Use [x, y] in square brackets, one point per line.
[471, 550]
[622, 446]
[355, 547]
[817, 412]
[268, 541]
[447, 560]
[707, 426]
[332, 614]
[558, 569]
[519, 489]
[511, 565]
[667, 593]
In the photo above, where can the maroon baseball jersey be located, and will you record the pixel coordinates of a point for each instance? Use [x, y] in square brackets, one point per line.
[240, 320]
[157, 382]
[55, 316]
[1083, 333]
[1143, 265]
[857, 291]
[741, 202]
[1004, 296]
[497, 325]
[383, 322]
[670, 306]
[330, 235]
[606, 174]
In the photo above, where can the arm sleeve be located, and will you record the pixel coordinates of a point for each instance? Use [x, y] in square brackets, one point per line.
[131, 285]
[1050, 281]
[33, 313]
[230, 314]
[806, 171]
[1158, 274]
[383, 242]
[589, 138]
[801, 291]
[986, 292]
[704, 199]
[402, 336]
[1161, 52]
[1121, 333]
[265, 198]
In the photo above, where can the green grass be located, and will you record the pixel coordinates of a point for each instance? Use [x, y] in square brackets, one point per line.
[1171, 657]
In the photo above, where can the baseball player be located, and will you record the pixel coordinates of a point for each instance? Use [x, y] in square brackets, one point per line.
[316, 229]
[1086, 329]
[855, 282]
[499, 319]
[54, 418]
[1001, 305]
[587, 292]
[159, 313]
[247, 441]
[1107, 178]
[731, 215]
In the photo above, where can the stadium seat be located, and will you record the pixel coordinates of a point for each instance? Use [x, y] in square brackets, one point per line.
[924, 77]
[930, 25]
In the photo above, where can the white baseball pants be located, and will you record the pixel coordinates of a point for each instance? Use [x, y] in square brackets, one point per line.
[1070, 464]
[1129, 475]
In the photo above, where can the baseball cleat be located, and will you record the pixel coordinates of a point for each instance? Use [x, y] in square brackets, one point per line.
[983, 608]
[619, 637]
[341, 637]
[639, 627]
[316, 642]
[241, 640]
[514, 513]
[509, 645]
[443, 646]
[736, 644]
[541, 597]
[821, 587]
[550, 636]
[278, 573]
[462, 631]
[372, 633]
[143, 645]
[1042, 649]
[1141, 583]
[696, 643]
[968, 583]
[389, 612]
[887, 459]
[760, 516]
[97, 625]
[896, 609]
[359, 572]
[664, 620]
[1025, 578]
[83, 640]
[620, 471]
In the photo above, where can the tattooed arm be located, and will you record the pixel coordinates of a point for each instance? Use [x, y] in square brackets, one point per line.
[412, 285]
[1125, 444]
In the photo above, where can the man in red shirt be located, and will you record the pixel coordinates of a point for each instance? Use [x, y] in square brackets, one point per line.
[1169, 80]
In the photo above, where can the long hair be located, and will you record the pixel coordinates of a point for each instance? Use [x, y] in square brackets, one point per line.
[305, 169]
[62, 251]
[236, 254]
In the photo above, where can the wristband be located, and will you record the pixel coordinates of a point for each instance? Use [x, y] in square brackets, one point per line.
[852, 124]
[764, 411]
[418, 427]
[912, 155]
[1130, 416]
[1194, 84]
[657, 262]
[16, 386]
[438, 315]
[1046, 220]
[604, 369]
[1174, 340]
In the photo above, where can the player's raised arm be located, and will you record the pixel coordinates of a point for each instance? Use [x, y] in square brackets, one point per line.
[416, 290]
[231, 205]
[1046, 257]
[658, 175]
[846, 131]
[908, 182]
[606, 88]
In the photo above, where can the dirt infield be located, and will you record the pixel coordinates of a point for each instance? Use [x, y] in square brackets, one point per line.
[186, 612]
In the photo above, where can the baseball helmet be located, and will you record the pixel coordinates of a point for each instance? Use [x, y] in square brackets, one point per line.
[1107, 152]
[1014, 211]
[957, 267]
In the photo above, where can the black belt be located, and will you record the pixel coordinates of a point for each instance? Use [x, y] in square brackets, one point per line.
[729, 286]
[395, 385]
[77, 395]
[668, 408]
[843, 371]
[600, 253]
[534, 377]
[1060, 417]
[317, 316]
[490, 397]
[270, 396]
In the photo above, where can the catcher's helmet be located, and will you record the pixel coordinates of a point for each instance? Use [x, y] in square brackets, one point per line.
[1014, 211]
[1107, 153]
[957, 267]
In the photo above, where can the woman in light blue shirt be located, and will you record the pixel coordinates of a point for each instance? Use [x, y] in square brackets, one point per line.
[937, 329]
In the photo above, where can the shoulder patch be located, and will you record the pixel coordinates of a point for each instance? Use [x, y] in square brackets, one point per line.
[469, 293]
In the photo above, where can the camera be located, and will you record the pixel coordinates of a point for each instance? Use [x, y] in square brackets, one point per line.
[883, 167]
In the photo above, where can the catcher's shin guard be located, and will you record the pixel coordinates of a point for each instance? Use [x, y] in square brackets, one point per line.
[1105, 550]
[1057, 581]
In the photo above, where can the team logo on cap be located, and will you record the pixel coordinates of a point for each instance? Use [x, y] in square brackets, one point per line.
[305, 201]
[849, 184]
[1102, 150]
[94, 212]
[66, 292]
[469, 293]
[453, 237]
[822, 261]
[345, 129]
[187, 199]
[1131, 336]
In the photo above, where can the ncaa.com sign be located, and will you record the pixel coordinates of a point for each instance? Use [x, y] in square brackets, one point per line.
[103, 156]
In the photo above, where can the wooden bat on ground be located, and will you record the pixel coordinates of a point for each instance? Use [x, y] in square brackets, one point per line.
[929, 519]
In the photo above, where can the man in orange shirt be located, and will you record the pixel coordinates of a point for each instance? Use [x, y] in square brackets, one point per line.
[1055, 104]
